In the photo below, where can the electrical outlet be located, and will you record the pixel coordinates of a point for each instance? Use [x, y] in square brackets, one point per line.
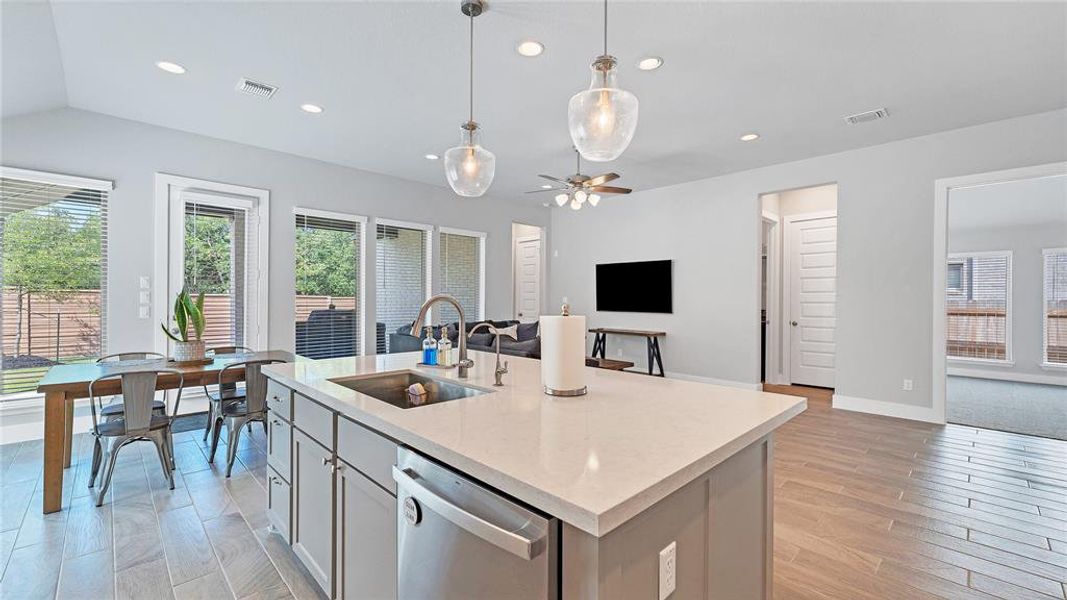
[668, 575]
[908, 385]
[618, 352]
[145, 282]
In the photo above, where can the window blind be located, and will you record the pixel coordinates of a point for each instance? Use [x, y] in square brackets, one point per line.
[977, 302]
[53, 274]
[1055, 321]
[328, 298]
[400, 266]
[461, 275]
[216, 264]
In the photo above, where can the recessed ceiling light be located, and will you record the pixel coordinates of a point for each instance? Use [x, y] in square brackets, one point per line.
[750, 137]
[650, 63]
[430, 156]
[530, 48]
[311, 108]
[170, 67]
[546, 186]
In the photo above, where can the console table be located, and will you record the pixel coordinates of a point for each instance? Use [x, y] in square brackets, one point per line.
[600, 344]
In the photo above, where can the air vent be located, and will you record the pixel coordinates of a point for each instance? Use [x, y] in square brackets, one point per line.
[255, 88]
[870, 115]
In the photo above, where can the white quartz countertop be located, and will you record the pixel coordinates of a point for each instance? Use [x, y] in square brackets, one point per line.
[593, 461]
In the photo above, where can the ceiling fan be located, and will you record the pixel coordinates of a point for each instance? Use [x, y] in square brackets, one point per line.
[579, 189]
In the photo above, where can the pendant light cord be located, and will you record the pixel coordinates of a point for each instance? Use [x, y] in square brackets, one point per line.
[605, 27]
[471, 119]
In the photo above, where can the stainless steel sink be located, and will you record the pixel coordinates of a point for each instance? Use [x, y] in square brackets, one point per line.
[394, 388]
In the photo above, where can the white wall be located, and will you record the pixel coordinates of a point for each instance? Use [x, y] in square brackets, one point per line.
[711, 229]
[129, 153]
[1022, 217]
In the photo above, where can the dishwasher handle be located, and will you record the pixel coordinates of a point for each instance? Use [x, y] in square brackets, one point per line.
[521, 546]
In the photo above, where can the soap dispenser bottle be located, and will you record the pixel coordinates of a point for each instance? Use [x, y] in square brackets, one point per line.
[444, 348]
[429, 348]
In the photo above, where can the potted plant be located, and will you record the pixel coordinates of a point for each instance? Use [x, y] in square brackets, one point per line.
[187, 312]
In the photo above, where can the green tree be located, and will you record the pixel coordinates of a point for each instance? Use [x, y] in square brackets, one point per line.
[53, 251]
[325, 262]
[208, 262]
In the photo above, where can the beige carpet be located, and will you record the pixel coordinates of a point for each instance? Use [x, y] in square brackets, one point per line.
[1028, 408]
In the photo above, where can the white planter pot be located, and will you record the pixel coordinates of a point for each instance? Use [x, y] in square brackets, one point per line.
[188, 351]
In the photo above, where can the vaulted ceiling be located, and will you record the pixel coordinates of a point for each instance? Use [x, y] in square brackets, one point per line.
[392, 76]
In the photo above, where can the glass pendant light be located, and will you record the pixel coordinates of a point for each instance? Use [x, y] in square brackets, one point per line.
[603, 118]
[469, 168]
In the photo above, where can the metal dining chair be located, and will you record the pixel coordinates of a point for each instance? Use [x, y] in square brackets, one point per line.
[114, 409]
[225, 392]
[235, 415]
[137, 422]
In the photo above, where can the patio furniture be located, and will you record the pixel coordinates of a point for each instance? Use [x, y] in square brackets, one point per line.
[138, 421]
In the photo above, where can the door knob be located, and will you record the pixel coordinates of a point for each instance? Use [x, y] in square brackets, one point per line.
[793, 323]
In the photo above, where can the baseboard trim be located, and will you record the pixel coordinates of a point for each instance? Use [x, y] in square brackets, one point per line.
[1050, 379]
[887, 409]
[713, 381]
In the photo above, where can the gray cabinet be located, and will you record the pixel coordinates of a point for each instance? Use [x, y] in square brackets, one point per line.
[366, 537]
[313, 508]
[338, 515]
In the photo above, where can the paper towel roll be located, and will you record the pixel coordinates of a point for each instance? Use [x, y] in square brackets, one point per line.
[563, 355]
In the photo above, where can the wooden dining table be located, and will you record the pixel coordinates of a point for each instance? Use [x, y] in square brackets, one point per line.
[63, 384]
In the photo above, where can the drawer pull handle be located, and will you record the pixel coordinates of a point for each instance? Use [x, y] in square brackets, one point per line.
[277, 423]
[326, 461]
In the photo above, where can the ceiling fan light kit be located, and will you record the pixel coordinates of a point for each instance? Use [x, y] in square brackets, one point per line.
[602, 119]
[469, 168]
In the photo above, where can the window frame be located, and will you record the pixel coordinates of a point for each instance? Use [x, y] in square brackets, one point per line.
[1045, 364]
[167, 220]
[101, 185]
[361, 281]
[482, 238]
[1009, 357]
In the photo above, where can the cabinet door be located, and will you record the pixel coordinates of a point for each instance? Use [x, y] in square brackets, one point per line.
[366, 538]
[313, 508]
[279, 503]
[280, 446]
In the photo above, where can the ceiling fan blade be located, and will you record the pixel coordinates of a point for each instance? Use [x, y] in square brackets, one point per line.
[546, 190]
[602, 179]
[551, 178]
[607, 189]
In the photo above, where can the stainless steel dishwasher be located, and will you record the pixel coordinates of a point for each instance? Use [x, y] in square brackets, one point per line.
[458, 540]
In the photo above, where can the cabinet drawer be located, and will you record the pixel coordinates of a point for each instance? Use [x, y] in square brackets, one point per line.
[280, 400]
[280, 446]
[279, 503]
[313, 419]
[370, 452]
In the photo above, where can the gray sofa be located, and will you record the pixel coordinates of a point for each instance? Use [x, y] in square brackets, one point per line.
[528, 345]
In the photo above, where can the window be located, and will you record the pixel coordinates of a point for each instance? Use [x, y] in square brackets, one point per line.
[53, 273]
[216, 263]
[462, 270]
[329, 284]
[1055, 321]
[978, 306]
[402, 276]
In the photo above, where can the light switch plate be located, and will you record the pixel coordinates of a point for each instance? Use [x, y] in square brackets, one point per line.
[144, 312]
[668, 575]
[145, 283]
[908, 386]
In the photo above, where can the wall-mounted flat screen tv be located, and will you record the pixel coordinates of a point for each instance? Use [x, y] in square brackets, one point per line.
[634, 287]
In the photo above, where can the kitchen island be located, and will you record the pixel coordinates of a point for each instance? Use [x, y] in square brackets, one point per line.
[634, 466]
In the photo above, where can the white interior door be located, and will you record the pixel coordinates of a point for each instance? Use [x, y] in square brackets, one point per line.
[528, 279]
[812, 247]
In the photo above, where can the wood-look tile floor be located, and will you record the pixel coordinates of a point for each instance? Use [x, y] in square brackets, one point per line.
[206, 539]
[866, 508]
[870, 507]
